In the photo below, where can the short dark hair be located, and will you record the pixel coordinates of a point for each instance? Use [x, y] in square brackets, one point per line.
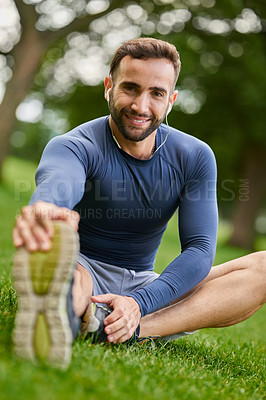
[145, 48]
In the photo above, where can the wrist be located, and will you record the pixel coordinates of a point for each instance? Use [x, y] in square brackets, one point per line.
[135, 304]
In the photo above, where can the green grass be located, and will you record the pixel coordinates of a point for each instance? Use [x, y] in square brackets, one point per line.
[212, 364]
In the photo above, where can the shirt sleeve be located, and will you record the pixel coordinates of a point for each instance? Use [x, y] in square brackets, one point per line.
[198, 221]
[61, 174]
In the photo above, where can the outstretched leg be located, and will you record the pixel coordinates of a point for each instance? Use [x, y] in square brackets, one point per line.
[231, 293]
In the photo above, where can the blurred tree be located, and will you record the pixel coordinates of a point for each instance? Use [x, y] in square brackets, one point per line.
[224, 69]
[42, 24]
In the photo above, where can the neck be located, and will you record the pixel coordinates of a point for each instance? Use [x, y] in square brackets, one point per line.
[142, 150]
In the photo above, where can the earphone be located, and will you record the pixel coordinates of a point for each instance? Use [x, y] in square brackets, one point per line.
[169, 109]
[108, 95]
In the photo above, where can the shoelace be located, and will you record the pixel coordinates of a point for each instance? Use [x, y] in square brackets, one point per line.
[136, 339]
[148, 338]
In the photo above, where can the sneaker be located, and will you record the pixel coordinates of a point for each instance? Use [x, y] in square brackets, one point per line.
[93, 323]
[93, 326]
[43, 281]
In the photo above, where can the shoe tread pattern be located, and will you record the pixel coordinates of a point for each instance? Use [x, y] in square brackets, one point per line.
[42, 330]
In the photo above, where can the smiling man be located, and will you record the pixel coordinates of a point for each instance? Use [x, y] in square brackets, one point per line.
[117, 180]
[141, 91]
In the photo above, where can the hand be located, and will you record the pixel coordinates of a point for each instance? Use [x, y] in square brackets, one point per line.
[33, 228]
[124, 320]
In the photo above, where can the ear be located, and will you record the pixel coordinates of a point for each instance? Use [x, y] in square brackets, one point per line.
[108, 83]
[173, 97]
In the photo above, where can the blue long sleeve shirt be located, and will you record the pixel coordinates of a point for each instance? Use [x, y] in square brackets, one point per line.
[125, 203]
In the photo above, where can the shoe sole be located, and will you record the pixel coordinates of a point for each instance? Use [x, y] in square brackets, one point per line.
[42, 280]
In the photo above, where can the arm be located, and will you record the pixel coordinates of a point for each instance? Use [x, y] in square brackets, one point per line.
[60, 180]
[61, 174]
[198, 222]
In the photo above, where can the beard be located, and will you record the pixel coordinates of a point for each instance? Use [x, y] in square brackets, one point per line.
[136, 134]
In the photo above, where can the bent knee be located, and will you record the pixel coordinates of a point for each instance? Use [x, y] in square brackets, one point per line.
[257, 261]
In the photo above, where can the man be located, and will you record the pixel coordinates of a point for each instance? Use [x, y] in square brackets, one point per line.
[118, 180]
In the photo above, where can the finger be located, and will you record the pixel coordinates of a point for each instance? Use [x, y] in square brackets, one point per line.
[121, 335]
[128, 334]
[125, 337]
[17, 239]
[24, 234]
[39, 226]
[114, 327]
[46, 225]
[41, 236]
[116, 337]
[114, 316]
[73, 219]
[103, 298]
[46, 213]
[27, 214]
[64, 214]
[43, 214]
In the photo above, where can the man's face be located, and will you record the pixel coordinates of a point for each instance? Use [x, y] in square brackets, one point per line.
[140, 95]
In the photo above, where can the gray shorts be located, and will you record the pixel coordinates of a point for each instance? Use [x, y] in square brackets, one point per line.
[108, 278]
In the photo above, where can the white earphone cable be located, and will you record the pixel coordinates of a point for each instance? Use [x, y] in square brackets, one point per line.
[166, 120]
